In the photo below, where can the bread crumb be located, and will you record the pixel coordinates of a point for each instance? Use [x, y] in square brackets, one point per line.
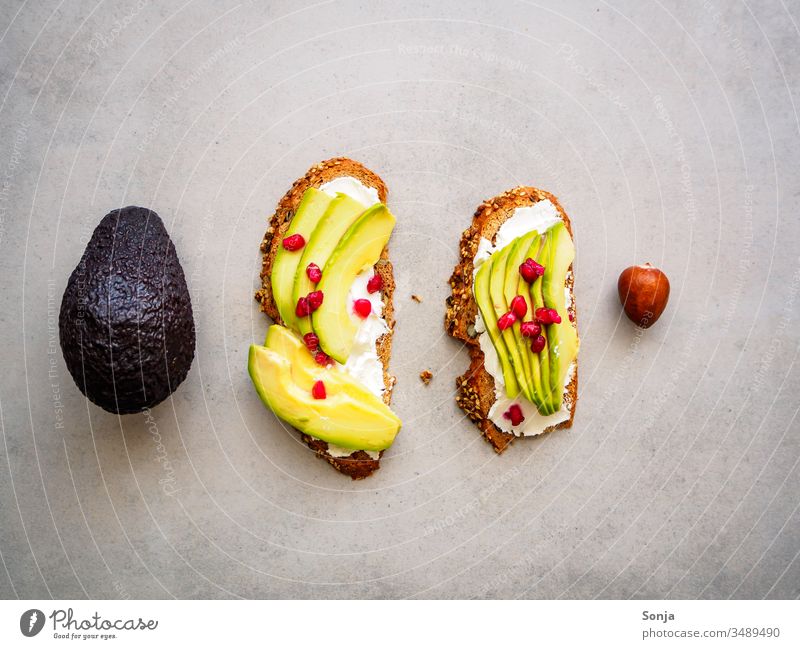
[416, 298]
[426, 376]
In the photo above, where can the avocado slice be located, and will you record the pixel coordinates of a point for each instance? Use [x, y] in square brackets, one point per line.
[126, 326]
[562, 339]
[339, 419]
[497, 282]
[537, 301]
[510, 288]
[359, 249]
[339, 216]
[539, 385]
[306, 371]
[540, 377]
[313, 205]
[484, 301]
[529, 247]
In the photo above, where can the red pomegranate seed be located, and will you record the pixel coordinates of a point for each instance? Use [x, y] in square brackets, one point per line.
[318, 390]
[314, 300]
[312, 341]
[295, 242]
[301, 310]
[538, 344]
[519, 307]
[374, 284]
[530, 329]
[514, 415]
[527, 272]
[506, 321]
[314, 273]
[530, 270]
[362, 307]
[547, 316]
[571, 317]
[323, 359]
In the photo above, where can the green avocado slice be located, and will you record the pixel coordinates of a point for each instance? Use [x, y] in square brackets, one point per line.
[341, 418]
[305, 371]
[340, 215]
[513, 280]
[497, 292]
[484, 301]
[312, 206]
[531, 246]
[562, 338]
[537, 300]
[359, 248]
[540, 377]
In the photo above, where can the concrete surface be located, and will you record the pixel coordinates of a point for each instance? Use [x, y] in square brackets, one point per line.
[670, 132]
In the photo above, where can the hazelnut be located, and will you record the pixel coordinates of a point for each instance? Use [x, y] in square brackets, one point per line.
[643, 291]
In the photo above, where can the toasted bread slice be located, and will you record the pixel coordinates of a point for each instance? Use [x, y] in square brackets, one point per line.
[358, 464]
[475, 390]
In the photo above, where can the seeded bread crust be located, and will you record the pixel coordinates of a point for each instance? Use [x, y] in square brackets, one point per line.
[475, 388]
[357, 465]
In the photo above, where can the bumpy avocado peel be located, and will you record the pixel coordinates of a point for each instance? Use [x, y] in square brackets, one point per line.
[126, 325]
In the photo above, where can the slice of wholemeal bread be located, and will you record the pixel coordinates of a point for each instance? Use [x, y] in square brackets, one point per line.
[358, 464]
[475, 391]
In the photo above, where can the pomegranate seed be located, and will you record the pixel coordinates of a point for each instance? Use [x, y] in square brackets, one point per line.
[301, 310]
[311, 340]
[538, 344]
[374, 284]
[547, 316]
[506, 321]
[514, 415]
[362, 307]
[527, 272]
[530, 270]
[544, 315]
[295, 242]
[530, 329]
[318, 390]
[519, 307]
[571, 317]
[314, 273]
[314, 300]
[323, 359]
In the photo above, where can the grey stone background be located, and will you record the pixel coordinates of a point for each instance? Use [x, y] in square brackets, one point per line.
[670, 132]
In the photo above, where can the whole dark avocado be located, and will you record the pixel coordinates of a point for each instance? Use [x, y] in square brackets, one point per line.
[126, 325]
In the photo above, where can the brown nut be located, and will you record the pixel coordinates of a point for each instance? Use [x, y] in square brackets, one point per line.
[643, 291]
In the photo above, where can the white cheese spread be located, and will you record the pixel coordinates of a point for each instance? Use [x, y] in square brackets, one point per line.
[354, 188]
[540, 216]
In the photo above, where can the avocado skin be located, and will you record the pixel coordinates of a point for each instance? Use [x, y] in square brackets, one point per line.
[126, 326]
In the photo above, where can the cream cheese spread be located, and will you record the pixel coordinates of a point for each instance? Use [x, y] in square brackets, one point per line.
[540, 216]
[354, 188]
